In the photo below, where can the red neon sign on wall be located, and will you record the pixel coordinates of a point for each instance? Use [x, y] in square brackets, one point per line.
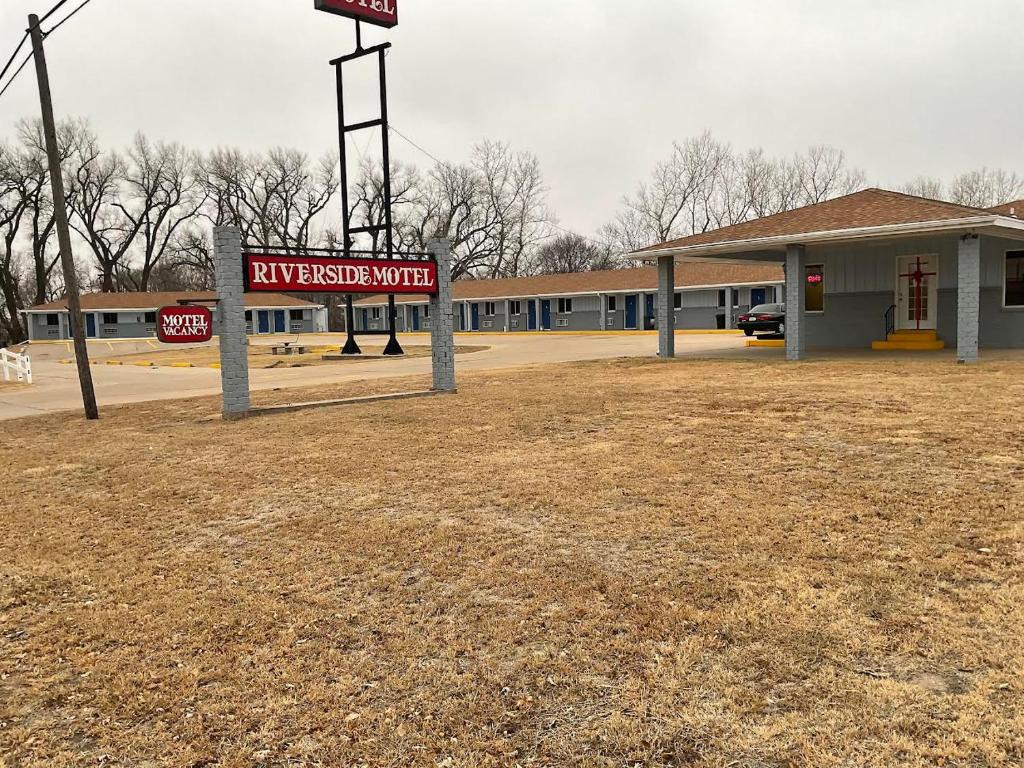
[383, 13]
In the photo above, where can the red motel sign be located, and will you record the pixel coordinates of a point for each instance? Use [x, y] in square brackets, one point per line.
[184, 325]
[311, 274]
[383, 13]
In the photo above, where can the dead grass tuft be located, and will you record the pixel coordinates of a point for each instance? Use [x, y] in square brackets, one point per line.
[604, 564]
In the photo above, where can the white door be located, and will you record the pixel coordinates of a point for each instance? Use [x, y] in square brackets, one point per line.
[917, 293]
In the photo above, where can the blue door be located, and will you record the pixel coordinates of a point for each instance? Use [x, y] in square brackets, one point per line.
[279, 321]
[545, 315]
[366, 319]
[264, 321]
[631, 313]
[415, 318]
[758, 296]
[476, 317]
[531, 316]
[649, 311]
[90, 326]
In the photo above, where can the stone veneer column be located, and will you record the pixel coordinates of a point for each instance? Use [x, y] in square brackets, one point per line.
[796, 300]
[968, 299]
[234, 351]
[442, 326]
[666, 307]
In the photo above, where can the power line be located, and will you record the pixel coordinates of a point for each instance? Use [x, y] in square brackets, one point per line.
[442, 162]
[67, 18]
[14, 55]
[18, 48]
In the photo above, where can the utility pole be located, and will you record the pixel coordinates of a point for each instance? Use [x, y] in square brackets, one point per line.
[63, 229]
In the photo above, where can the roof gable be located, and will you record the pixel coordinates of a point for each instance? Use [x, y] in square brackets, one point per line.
[867, 208]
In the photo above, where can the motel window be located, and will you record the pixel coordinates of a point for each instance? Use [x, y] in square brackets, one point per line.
[426, 310]
[53, 319]
[721, 298]
[612, 303]
[490, 309]
[679, 301]
[515, 308]
[565, 306]
[376, 313]
[1014, 296]
[110, 318]
[151, 318]
[814, 288]
[295, 315]
[248, 315]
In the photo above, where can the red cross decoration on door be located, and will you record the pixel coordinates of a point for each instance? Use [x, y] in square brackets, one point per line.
[918, 276]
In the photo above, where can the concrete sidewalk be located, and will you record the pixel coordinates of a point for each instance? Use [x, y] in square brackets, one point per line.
[57, 388]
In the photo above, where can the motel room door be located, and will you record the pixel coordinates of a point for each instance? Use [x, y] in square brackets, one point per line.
[630, 313]
[264, 321]
[90, 326]
[531, 315]
[476, 317]
[279, 322]
[917, 293]
[545, 314]
[415, 318]
[758, 297]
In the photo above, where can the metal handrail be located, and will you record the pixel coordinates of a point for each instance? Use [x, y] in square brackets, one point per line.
[890, 321]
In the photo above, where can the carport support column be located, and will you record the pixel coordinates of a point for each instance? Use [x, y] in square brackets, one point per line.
[730, 302]
[968, 299]
[234, 353]
[442, 326]
[796, 300]
[666, 307]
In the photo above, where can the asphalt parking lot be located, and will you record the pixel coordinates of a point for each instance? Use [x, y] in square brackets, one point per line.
[56, 385]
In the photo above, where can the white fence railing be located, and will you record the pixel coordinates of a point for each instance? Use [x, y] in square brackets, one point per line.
[15, 367]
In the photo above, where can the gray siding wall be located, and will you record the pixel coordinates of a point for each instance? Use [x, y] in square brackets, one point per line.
[861, 281]
[133, 325]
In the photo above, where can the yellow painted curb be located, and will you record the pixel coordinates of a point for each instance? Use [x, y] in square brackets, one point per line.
[66, 362]
[215, 365]
[114, 362]
[182, 365]
[144, 364]
[767, 343]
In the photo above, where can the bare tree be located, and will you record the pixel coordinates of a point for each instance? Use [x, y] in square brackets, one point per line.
[95, 195]
[706, 185]
[572, 252]
[274, 199]
[161, 195]
[13, 206]
[493, 210]
[924, 186]
[986, 188]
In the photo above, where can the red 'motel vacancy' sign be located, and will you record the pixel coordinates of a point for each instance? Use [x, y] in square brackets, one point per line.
[184, 325]
[383, 13]
[311, 274]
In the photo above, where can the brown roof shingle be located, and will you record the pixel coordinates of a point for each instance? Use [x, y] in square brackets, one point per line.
[1015, 209]
[688, 275]
[867, 208]
[156, 300]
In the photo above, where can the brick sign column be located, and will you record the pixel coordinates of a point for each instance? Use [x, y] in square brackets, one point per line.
[442, 320]
[234, 351]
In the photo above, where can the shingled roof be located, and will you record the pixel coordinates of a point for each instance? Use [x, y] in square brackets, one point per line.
[864, 210]
[113, 302]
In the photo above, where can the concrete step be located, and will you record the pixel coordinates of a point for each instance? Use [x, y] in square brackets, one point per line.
[908, 345]
[914, 336]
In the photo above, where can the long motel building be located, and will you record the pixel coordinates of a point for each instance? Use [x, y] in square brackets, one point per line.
[706, 296]
[133, 315]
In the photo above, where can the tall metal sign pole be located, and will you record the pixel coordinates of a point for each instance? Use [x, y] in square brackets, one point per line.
[383, 13]
[63, 230]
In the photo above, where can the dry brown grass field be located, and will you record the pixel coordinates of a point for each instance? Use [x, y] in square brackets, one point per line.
[612, 564]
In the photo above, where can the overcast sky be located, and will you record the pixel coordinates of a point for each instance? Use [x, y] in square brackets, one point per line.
[598, 89]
